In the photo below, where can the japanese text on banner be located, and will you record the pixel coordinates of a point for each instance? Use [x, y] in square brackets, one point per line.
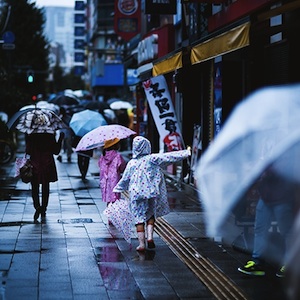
[162, 109]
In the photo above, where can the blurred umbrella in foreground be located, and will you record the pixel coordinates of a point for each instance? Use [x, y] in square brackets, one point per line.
[261, 135]
[262, 131]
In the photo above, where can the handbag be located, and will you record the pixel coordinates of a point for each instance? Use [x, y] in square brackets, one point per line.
[26, 172]
[19, 163]
[24, 168]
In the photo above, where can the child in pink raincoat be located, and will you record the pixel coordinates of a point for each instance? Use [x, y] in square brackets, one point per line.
[111, 165]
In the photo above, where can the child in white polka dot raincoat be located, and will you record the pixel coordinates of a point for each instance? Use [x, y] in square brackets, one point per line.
[144, 179]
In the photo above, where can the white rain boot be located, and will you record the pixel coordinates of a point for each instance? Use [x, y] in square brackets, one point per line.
[150, 229]
[141, 238]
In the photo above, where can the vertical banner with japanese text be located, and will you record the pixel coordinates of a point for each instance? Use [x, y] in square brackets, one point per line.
[160, 103]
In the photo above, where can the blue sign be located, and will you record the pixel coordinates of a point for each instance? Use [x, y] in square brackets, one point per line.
[8, 37]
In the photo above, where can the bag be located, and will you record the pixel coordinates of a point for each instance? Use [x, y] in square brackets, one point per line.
[20, 162]
[26, 172]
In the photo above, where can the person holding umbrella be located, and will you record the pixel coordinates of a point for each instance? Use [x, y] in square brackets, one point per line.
[39, 127]
[144, 179]
[111, 165]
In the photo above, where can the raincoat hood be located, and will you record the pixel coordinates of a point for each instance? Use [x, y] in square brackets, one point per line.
[140, 147]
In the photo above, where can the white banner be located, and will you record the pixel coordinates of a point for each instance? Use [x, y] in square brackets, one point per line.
[160, 103]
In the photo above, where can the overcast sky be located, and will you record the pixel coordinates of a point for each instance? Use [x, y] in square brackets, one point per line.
[68, 3]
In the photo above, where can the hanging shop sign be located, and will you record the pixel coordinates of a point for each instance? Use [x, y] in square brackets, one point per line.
[161, 7]
[162, 109]
[127, 20]
[148, 49]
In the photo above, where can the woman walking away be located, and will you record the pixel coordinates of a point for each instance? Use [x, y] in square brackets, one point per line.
[111, 165]
[41, 147]
[144, 179]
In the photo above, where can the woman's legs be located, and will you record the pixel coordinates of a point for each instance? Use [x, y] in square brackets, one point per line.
[83, 164]
[45, 198]
[36, 199]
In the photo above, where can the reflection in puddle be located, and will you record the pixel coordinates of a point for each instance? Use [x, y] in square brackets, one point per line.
[113, 269]
[116, 276]
[146, 255]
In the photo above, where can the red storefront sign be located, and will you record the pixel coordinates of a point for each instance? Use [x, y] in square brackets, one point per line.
[127, 21]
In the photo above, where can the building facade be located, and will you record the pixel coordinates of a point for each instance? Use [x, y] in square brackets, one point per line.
[212, 54]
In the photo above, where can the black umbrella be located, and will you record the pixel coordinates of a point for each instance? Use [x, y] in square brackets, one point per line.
[96, 105]
[14, 120]
[36, 120]
[65, 100]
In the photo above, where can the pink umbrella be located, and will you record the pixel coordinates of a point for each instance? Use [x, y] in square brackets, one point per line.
[99, 135]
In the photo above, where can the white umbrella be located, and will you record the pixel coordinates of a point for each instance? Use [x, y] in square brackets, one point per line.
[263, 130]
[120, 105]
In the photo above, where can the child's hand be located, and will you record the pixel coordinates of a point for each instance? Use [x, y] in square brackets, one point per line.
[189, 149]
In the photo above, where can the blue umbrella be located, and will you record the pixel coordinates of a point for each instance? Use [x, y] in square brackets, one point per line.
[85, 121]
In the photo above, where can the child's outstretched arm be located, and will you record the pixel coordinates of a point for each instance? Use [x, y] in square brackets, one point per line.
[170, 157]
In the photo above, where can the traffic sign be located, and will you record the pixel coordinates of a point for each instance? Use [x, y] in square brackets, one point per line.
[8, 37]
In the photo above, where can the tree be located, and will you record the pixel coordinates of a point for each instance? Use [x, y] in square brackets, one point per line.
[31, 51]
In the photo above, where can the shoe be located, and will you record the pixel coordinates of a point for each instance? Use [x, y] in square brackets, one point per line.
[151, 244]
[281, 272]
[252, 268]
[69, 159]
[36, 214]
[59, 158]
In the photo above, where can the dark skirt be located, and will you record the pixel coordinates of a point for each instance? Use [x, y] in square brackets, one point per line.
[44, 168]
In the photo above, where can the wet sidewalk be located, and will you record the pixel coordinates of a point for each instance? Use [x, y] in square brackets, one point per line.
[75, 254]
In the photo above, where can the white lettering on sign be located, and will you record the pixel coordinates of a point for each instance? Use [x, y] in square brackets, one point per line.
[148, 48]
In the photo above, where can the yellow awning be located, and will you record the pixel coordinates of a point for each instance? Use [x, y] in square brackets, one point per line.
[168, 65]
[231, 40]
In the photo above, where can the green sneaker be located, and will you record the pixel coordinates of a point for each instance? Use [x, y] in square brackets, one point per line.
[281, 272]
[252, 268]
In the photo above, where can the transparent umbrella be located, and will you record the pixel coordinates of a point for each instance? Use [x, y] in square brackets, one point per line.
[36, 120]
[262, 131]
[119, 214]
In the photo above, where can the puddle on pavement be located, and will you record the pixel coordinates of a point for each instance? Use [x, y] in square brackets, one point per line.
[75, 221]
[143, 256]
[11, 193]
[3, 277]
[113, 268]
[16, 223]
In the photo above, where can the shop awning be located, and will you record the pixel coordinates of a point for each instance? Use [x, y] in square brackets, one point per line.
[167, 65]
[231, 40]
